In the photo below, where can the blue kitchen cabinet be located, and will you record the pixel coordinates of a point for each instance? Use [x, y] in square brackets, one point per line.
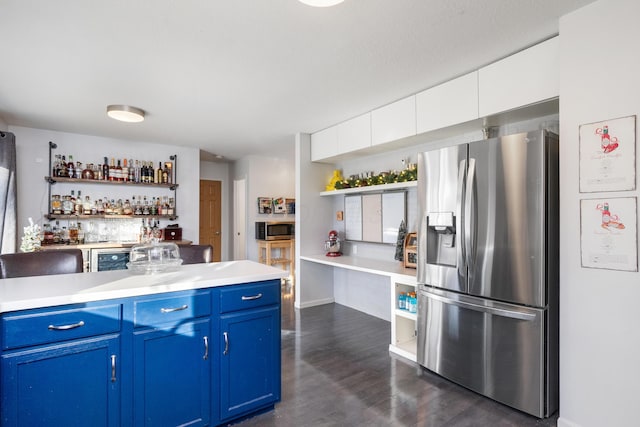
[249, 349]
[172, 375]
[61, 366]
[76, 383]
[172, 359]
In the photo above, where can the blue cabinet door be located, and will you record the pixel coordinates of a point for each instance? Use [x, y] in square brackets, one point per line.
[249, 361]
[172, 375]
[71, 384]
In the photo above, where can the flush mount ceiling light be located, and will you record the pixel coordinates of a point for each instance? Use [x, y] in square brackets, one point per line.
[321, 3]
[125, 113]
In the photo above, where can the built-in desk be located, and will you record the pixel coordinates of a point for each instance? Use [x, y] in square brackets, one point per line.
[396, 279]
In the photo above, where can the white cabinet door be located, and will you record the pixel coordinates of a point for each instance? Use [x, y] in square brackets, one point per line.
[354, 134]
[394, 121]
[521, 79]
[324, 144]
[450, 103]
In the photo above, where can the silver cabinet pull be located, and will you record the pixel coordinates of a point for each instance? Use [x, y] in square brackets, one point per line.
[206, 348]
[171, 310]
[251, 297]
[226, 343]
[113, 368]
[66, 327]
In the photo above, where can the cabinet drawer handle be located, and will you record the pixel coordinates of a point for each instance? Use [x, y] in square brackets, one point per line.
[66, 327]
[171, 310]
[226, 343]
[113, 368]
[206, 348]
[252, 297]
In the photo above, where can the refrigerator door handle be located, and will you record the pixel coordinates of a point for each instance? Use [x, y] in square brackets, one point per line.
[460, 250]
[470, 215]
[483, 308]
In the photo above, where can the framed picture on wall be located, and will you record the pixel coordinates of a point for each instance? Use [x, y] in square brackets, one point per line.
[265, 205]
[608, 155]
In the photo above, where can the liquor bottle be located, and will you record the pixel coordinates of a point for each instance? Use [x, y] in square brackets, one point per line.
[63, 172]
[80, 234]
[87, 206]
[119, 176]
[165, 174]
[159, 174]
[136, 172]
[71, 167]
[56, 166]
[143, 171]
[125, 170]
[105, 170]
[78, 207]
[56, 204]
[131, 171]
[57, 237]
[112, 170]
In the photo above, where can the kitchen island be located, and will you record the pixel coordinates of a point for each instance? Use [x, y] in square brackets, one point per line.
[198, 346]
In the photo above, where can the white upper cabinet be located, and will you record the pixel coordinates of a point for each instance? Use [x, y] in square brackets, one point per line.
[521, 79]
[450, 103]
[354, 134]
[324, 144]
[394, 121]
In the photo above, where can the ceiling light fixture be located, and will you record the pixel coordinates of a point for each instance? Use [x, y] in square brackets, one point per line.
[321, 3]
[125, 113]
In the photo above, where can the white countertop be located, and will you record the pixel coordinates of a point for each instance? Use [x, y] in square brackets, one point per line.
[46, 291]
[366, 265]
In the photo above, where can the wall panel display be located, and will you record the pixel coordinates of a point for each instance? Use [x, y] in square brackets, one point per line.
[374, 217]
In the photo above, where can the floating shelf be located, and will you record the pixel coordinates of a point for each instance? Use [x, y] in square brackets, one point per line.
[54, 179]
[76, 217]
[372, 188]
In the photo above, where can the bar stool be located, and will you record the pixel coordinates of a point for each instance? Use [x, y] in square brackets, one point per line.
[196, 254]
[59, 261]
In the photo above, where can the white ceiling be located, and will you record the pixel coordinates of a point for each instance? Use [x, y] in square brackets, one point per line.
[241, 77]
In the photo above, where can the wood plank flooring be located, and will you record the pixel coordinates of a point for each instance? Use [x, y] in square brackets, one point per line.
[337, 371]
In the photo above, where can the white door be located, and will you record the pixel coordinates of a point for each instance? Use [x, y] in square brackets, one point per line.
[240, 219]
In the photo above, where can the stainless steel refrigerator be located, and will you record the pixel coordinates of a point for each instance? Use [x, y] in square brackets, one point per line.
[488, 268]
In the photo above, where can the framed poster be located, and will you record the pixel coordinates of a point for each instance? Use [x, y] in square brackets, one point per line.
[264, 205]
[608, 155]
[608, 233]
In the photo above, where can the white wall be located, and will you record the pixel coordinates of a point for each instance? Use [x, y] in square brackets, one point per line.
[32, 151]
[219, 171]
[3, 124]
[599, 315]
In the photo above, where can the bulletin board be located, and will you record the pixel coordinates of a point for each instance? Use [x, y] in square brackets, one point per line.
[374, 217]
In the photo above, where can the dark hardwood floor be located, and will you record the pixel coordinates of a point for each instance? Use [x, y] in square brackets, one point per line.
[337, 371]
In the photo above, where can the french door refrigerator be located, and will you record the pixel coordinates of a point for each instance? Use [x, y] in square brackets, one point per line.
[488, 268]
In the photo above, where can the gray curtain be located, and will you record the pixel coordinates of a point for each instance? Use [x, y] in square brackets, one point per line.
[8, 204]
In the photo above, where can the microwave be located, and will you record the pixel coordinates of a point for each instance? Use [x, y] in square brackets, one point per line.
[272, 230]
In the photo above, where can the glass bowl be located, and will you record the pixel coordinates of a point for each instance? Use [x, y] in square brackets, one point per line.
[155, 257]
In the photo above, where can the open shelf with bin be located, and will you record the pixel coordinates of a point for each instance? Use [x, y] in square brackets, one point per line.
[404, 338]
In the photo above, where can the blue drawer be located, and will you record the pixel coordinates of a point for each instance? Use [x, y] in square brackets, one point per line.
[34, 327]
[174, 308]
[242, 297]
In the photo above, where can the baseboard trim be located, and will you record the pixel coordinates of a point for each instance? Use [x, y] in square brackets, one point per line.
[315, 303]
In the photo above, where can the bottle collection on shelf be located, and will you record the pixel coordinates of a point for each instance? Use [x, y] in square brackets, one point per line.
[408, 301]
[76, 234]
[124, 170]
[141, 205]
